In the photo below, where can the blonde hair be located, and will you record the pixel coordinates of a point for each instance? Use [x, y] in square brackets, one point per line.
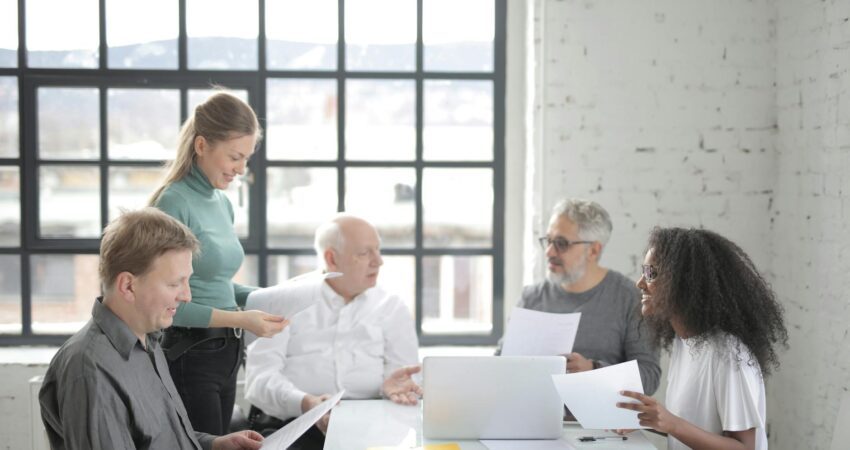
[221, 117]
[135, 239]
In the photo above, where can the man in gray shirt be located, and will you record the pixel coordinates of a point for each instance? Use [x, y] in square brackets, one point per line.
[610, 330]
[108, 387]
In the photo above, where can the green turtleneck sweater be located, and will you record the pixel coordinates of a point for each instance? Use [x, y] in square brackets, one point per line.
[209, 214]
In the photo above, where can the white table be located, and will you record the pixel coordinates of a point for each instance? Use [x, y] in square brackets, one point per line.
[360, 424]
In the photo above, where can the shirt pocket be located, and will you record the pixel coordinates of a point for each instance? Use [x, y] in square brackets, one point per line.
[372, 339]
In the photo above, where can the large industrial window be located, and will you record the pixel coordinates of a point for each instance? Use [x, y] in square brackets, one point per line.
[389, 109]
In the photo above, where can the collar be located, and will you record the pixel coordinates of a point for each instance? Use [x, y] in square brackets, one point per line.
[336, 301]
[119, 334]
[199, 182]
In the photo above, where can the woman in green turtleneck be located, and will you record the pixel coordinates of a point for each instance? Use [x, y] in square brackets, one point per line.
[204, 345]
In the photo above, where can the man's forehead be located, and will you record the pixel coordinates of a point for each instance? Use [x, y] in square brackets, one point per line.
[562, 226]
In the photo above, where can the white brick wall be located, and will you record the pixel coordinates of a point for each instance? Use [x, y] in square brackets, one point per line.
[664, 113]
[811, 246]
[730, 115]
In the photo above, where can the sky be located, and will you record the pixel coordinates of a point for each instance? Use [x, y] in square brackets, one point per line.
[73, 24]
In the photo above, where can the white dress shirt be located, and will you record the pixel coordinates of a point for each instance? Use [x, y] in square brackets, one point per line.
[329, 347]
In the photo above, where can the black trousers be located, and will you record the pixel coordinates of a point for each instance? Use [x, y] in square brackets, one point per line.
[205, 374]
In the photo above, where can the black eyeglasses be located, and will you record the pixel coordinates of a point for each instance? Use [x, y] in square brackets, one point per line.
[650, 273]
[560, 244]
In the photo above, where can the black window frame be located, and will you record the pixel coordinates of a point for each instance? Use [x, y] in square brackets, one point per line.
[254, 82]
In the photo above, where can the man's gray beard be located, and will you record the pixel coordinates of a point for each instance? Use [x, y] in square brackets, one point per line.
[567, 277]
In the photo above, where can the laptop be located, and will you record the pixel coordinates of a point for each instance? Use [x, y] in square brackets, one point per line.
[491, 397]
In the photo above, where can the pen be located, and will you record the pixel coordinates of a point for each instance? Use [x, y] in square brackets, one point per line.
[599, 438]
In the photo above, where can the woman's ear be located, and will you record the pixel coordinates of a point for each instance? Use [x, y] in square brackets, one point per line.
[201, 145]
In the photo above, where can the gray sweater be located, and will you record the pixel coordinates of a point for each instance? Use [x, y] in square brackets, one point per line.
[610, 330]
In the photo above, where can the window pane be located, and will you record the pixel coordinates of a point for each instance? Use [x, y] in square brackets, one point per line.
[130, 188]
[301, 35]
[387, 198]
[458, 36]
[398, 276]
[457, 294]
[380, 35]
[9, 33]
[284, 267]
[299, 200]
[9, 124]
[458, 120]
[384, 109]
[248, 274]
[222, 34]
[457, 217]
[62, 34]
[63, 134]
[133, 42]
[10, 207]
[10, 294]
[198, 96]
[239, 193]
[143, 123]
[64, 288]
[302, 119]
[69, 202]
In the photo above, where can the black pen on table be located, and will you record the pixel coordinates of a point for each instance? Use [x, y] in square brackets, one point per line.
[599, 438]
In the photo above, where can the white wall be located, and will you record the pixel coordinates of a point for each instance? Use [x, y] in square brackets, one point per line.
[728, 115]
[811, 247]
[664, 113]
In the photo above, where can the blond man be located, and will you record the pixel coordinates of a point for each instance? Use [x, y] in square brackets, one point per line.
[108, 386]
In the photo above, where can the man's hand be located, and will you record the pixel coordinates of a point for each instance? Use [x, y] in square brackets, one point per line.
[400, 387]
[578, 363]
[240, 440]
[323, 423]
[311, 401]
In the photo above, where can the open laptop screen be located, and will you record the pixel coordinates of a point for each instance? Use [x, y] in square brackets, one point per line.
[492, 397]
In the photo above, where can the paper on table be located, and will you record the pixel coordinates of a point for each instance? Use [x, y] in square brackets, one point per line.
[527, 444]
[531, 333]
[592, 396]
[284, 437]
[288, 298]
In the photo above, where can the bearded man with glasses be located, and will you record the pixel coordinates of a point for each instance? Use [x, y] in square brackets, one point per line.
[610, 330]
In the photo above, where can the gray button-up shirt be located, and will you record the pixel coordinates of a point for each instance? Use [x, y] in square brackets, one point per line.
[104, 390]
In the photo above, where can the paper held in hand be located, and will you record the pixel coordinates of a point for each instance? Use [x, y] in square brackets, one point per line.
[535, 333]
[288, 298]
[286, 436]
[592, 396]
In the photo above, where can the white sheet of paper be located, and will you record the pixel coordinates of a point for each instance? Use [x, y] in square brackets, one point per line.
[288, 298]
[527, 444]
[532, 333]
[592, 396]
[284, 437]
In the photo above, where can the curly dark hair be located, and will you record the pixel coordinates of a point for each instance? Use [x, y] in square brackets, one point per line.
[711, 286]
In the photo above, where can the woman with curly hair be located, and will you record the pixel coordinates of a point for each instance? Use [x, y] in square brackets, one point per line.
[703, 297]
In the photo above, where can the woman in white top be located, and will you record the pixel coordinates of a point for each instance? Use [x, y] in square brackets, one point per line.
[703, 297]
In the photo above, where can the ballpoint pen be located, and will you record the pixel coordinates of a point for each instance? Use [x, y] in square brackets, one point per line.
[599, 438]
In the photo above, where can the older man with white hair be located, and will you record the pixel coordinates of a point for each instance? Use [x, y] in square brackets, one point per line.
[357, 337]
[610, 330]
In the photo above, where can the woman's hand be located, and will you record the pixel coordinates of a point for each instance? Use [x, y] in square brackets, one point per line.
[650, 413]
[261, 323]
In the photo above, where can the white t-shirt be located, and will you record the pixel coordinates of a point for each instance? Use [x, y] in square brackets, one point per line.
[715, 387]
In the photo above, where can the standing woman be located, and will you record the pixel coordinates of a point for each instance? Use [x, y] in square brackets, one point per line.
[703, 296]
[204, 347]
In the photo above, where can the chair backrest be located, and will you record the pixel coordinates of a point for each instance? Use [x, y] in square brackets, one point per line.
[841, 432]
